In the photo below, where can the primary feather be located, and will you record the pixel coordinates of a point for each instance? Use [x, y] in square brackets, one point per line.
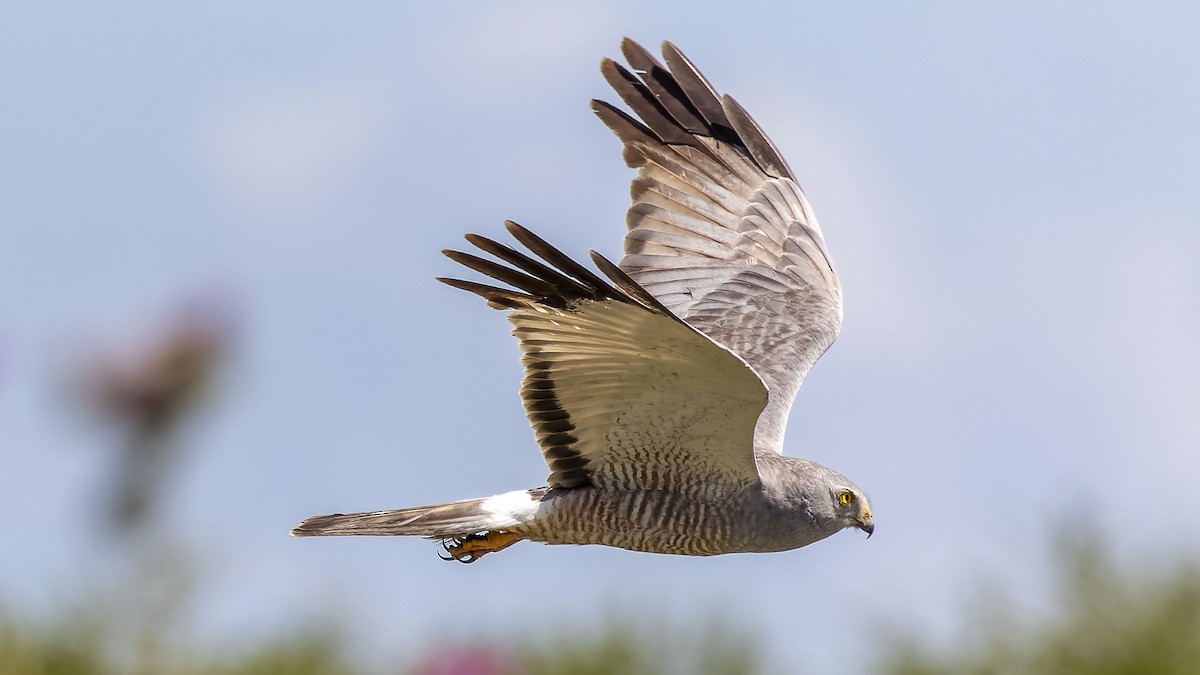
[719, 231]
[659, 389]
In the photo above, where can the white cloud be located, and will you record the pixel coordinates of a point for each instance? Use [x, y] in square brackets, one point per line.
[1152, 345]
[866, 217]
[493, 46]
[278, 149]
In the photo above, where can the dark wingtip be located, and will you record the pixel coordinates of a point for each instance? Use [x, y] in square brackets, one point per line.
[752, 136]
[638, 57]
[514, 227]
[627, 284]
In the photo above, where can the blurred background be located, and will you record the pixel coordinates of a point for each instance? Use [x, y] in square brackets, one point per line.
[219, 231]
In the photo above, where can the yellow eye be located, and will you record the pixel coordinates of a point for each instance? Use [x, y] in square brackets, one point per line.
[846, 498]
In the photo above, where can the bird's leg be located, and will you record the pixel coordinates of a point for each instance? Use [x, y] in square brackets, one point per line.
[472, 547]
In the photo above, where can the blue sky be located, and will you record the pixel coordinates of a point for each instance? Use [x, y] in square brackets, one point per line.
[1007, 190]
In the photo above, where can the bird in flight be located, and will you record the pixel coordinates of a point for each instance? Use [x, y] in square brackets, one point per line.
[659, 388]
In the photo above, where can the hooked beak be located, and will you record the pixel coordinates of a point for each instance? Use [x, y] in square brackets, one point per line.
[866, 524]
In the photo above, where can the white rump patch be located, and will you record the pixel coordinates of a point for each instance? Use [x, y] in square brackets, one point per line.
[516, 506]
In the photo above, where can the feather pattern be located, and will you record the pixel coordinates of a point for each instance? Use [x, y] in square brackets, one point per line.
[621, 393]
[438, 521]
[719, 230]
[658, 389]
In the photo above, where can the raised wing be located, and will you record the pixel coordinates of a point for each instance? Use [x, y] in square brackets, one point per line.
[719, 230]
[620, 392]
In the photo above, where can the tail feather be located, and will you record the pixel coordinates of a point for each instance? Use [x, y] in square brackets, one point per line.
[438, 521]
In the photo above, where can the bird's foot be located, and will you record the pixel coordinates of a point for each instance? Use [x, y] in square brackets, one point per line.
[472, 547]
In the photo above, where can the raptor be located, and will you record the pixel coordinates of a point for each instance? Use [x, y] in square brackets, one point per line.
[659, 387]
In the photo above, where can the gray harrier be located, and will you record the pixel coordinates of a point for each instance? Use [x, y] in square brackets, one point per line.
[659, 389]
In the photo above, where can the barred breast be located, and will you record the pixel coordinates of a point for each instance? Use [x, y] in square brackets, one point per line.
[638, 520]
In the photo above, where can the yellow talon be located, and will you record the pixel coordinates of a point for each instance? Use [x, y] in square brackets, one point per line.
[472, 547]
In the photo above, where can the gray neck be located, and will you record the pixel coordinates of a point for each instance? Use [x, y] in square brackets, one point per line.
[786, 506]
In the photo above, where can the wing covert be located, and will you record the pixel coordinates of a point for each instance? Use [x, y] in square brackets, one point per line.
[719, 230]
[619, 391]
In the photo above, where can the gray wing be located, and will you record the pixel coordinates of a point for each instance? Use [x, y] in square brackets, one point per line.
[719, 230]
[620, 392]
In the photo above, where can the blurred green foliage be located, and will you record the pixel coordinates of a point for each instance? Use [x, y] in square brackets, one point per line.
[77, 646]
[69, 648]
[82, 643]
[1108, 619]
[663, 648]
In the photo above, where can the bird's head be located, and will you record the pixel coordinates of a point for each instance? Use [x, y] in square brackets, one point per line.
[851, 507]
